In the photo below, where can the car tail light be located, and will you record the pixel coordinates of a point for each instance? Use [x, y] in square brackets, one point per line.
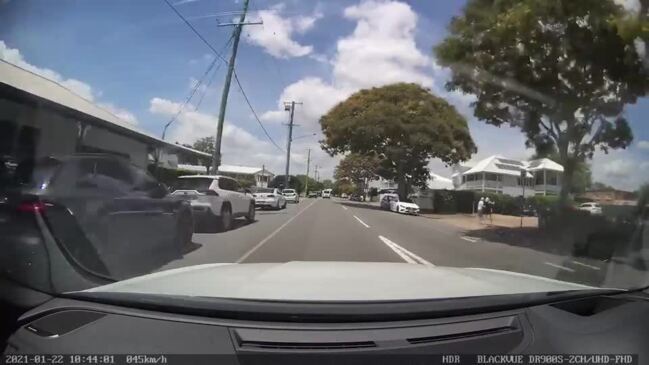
[31, 207]
[270, 196]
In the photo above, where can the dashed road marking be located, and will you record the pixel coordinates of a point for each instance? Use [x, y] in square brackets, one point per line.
[361, 222]
[408, 256]
[470, 239]
[559, 267]
[586, 265]
[344, 207]
[262, 242]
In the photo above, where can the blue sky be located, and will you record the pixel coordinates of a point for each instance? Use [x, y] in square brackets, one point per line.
[140, 60]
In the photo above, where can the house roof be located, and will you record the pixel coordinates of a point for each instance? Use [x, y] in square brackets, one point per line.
[44, 88]
[507, 166]
[439, 182]
[543, 164]
[249, 170]
[192, 168]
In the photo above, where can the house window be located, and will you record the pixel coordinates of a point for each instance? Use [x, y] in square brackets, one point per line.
[539, 178]
[463, 179]
[552, 178]
[492, 177]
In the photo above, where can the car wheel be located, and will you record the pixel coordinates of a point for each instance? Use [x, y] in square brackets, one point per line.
[284, 205]
[184, 231]
[226, 219]
[250, 217]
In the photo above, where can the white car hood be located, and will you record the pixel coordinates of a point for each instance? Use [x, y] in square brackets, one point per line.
[408, 205]
[335, 281]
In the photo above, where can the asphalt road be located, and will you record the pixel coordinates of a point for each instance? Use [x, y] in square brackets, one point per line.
[336, 230]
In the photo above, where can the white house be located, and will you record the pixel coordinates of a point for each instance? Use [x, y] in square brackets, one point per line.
[435, 182]
[497, 174]
[261, 175]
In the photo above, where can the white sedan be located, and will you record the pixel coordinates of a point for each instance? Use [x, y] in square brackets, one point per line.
[592, 208]
[404, 207]
[269, 198]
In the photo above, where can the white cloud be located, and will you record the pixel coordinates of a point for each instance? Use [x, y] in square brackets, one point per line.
[618, 168]
[182, 2]
[643, 145]
[13, 55]
[275, 36]
[120, 113]
[238, 145]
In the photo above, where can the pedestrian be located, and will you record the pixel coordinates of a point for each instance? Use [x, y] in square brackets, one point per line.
[489, 209]
[480, 209]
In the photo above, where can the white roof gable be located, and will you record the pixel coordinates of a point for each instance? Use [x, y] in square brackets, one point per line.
[543, 164]
[439, 182]
[236, 169]
[507, 166]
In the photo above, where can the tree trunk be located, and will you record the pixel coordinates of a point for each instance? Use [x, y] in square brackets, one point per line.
[568, 173]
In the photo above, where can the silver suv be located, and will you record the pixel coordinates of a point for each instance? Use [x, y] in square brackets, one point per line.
[216, 200]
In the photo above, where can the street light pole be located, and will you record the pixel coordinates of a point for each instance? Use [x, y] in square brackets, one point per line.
[290, 107]
[306, 181]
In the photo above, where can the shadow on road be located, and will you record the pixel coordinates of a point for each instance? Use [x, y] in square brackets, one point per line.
[192, 246]
[361, 205]
[528, 237]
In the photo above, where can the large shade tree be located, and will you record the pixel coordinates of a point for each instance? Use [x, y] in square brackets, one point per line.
[357, 168]
[560, 70]
[404, 125]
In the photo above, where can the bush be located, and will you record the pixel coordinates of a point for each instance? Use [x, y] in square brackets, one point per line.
[444, 202]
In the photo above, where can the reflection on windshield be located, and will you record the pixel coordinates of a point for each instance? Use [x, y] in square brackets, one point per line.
[517, 145]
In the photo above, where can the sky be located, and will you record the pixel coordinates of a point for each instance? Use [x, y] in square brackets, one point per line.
[139, 60]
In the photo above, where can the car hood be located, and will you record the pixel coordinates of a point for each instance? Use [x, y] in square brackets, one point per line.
[408, 205]
[335, 281]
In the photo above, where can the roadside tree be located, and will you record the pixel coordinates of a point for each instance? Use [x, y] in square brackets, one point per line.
[404, 125]
[561, 71]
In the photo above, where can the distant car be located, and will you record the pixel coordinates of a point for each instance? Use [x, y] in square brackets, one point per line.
[312, 194]
[326, 194]
[403, 207]
[592, 208]
[216, 200]
[106, 214]
[344, 195]
[387, 199]
[356, 197]
[269, 198]
[291, 195]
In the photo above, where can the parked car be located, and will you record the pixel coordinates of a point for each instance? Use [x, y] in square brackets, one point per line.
[356, 197]
[382, 192]
[591, 207]
[291, 195]
[387, 199]
[326, 194]
[108, 217]
[344, 195]
[268, 198]
[403, 206]
[216, 200]
[312, 194]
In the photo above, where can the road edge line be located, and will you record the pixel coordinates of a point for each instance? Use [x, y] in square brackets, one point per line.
[401, 254]
[272, 234]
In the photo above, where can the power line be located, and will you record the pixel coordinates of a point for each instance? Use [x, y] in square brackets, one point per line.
[211, 80]
[236, 78]
[195, 31]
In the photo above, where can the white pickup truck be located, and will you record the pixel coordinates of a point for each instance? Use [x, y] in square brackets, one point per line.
[215, 200]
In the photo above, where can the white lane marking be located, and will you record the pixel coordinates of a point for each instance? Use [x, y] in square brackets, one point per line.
[470, 239]
[262, 242]
[586, 265]
[559, 267]
[361, 222]
[405, 254]
[344, 207]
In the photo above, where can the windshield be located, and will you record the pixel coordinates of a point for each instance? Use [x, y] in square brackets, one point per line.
[401, 141]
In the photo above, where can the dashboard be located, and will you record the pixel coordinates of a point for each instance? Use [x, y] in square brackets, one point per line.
[616, 324]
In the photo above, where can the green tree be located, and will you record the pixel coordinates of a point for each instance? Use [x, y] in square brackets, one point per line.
[205, 144]
[313, 184]
[404, 125]
[294, 183]
[357, 168]
[561, 70]
[327, 184]
[601, 186]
